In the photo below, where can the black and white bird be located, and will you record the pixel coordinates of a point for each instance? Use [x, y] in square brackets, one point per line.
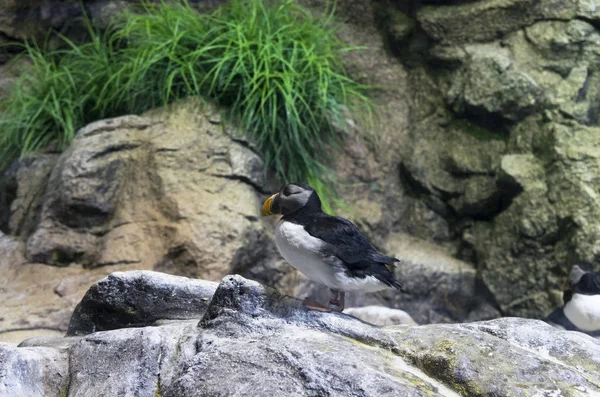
[581, 310]
[327, 249]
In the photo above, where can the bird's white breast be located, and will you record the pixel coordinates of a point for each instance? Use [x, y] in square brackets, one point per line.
[584, 312]
[305, 253]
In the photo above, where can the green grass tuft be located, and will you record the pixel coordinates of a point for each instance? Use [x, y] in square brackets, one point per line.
[275, 68]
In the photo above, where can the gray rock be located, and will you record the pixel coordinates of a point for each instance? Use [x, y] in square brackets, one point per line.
[33, 372]
[139, 298]
[504, 357]
[381, 315]
[491, 89]
[253, 341]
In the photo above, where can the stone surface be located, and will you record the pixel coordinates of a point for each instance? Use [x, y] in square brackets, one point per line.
[23, 190]
[139, 298]
[510, 88]
[33, 372]
[195, 199]
[38, 299]
[252, 341]
[489, 19]
[380, 315]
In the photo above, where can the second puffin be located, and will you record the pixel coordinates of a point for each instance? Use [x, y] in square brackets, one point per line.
[327, 249]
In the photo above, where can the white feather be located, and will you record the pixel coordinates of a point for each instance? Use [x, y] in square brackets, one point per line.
[584, 312]
[303, 251]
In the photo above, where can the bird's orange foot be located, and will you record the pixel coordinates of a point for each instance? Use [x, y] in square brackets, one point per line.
[336, 305]
[314, 305]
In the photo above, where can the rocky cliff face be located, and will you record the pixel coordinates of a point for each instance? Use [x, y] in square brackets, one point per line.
[504, 136]
[251, 341]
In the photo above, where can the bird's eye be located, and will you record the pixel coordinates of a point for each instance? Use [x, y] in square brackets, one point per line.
[286, 191]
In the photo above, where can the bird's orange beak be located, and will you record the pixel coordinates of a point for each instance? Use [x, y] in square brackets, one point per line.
[266, 209]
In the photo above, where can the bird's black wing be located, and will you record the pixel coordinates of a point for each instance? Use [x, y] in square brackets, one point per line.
[342, 237]
[344, 241]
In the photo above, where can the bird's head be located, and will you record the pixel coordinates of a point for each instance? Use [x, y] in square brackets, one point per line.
[290, 199]
[577, 271]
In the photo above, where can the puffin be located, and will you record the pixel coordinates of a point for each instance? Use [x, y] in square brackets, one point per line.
[327, 249]
[581, 309]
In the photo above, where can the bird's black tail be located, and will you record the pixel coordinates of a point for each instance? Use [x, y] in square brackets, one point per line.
[385, 273]
[384, 259]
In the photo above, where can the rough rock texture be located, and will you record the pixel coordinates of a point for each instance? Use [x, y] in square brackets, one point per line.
[22, 192]
[38, 371]
[194, 199]
[510, 87]
[252, 341]
[380, 315]
[38, 299]
[139, 298]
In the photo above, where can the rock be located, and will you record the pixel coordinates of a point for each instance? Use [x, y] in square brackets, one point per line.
[523, 170]
[439, 288]
[489, 19]
[33, 308]
[24, 186]
[252, 341]
[37, 371]
[9, 73]
[589, 10]
[169, 190]
[139, 298]
[510, 87]
[458, 178]
[481, 357]
[37, 299]
[135, 354]
[550, 225]
[381, 315]
[491, 89]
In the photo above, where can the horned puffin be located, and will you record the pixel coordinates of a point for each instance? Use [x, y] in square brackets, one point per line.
[327, 249]
[581, 310]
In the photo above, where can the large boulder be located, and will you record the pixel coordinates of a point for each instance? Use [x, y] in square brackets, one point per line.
[139, 298]
[253, 341]
[170, 190]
